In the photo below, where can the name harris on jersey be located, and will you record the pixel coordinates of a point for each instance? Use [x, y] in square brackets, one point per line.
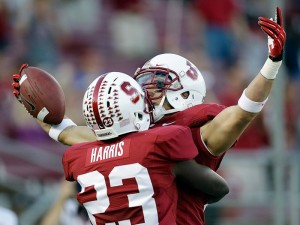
[108, 152]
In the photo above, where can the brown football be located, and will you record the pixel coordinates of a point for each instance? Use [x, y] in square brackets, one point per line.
[42, 95]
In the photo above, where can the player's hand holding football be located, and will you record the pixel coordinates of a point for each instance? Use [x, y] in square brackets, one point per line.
[16, 85]
[276, 35]
[40, 93]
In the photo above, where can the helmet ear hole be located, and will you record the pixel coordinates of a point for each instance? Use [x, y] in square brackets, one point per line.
[138, 115]
[185, 95]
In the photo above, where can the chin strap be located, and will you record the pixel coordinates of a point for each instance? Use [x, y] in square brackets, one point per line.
[159, 111]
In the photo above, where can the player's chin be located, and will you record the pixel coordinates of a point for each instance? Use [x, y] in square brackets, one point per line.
[156, 103]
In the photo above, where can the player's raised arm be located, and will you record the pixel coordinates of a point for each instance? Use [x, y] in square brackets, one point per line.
[68, 133]
[65, 130]
[221, 133]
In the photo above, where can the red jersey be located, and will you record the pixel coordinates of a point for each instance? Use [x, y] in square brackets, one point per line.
[189, 200]
[130, 180]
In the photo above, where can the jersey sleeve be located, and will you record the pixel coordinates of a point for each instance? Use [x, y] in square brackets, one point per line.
[178, 144]
[205, 157]
[203, 113]
[195, 116]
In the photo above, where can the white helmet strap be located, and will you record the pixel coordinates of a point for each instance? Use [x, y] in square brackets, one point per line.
[159, 111]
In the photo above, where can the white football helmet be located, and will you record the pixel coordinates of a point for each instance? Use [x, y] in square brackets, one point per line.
[179, 80]
[115, 104]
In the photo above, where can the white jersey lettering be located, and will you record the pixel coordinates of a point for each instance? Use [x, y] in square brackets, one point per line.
[108, 152]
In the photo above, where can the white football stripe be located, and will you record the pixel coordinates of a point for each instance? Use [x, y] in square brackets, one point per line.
[42, 114]
[23, 78]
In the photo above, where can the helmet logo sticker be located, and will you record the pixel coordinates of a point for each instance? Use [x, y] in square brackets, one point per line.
[113, 105]
[192, 72]
[131, 91]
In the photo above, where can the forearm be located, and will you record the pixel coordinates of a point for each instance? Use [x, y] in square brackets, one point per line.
[46, 127]
[70, 135]
[76, 134]
[259, 89]
[223, 131]
[66, 191]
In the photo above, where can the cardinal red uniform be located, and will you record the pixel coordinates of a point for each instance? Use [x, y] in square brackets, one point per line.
[189, 200]
[129, 180]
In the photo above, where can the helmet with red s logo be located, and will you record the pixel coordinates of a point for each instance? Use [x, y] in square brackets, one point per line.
[180, 81]
[114, 104]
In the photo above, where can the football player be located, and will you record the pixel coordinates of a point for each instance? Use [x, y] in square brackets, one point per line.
[177, 90]
[127, 176]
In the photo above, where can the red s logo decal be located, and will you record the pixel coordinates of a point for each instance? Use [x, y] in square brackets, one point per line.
[131, 91]
[192, 72]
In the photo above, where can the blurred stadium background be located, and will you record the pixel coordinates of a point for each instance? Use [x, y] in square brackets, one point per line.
[76, 40]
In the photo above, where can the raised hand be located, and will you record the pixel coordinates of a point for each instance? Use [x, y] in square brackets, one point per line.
[276, 35]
